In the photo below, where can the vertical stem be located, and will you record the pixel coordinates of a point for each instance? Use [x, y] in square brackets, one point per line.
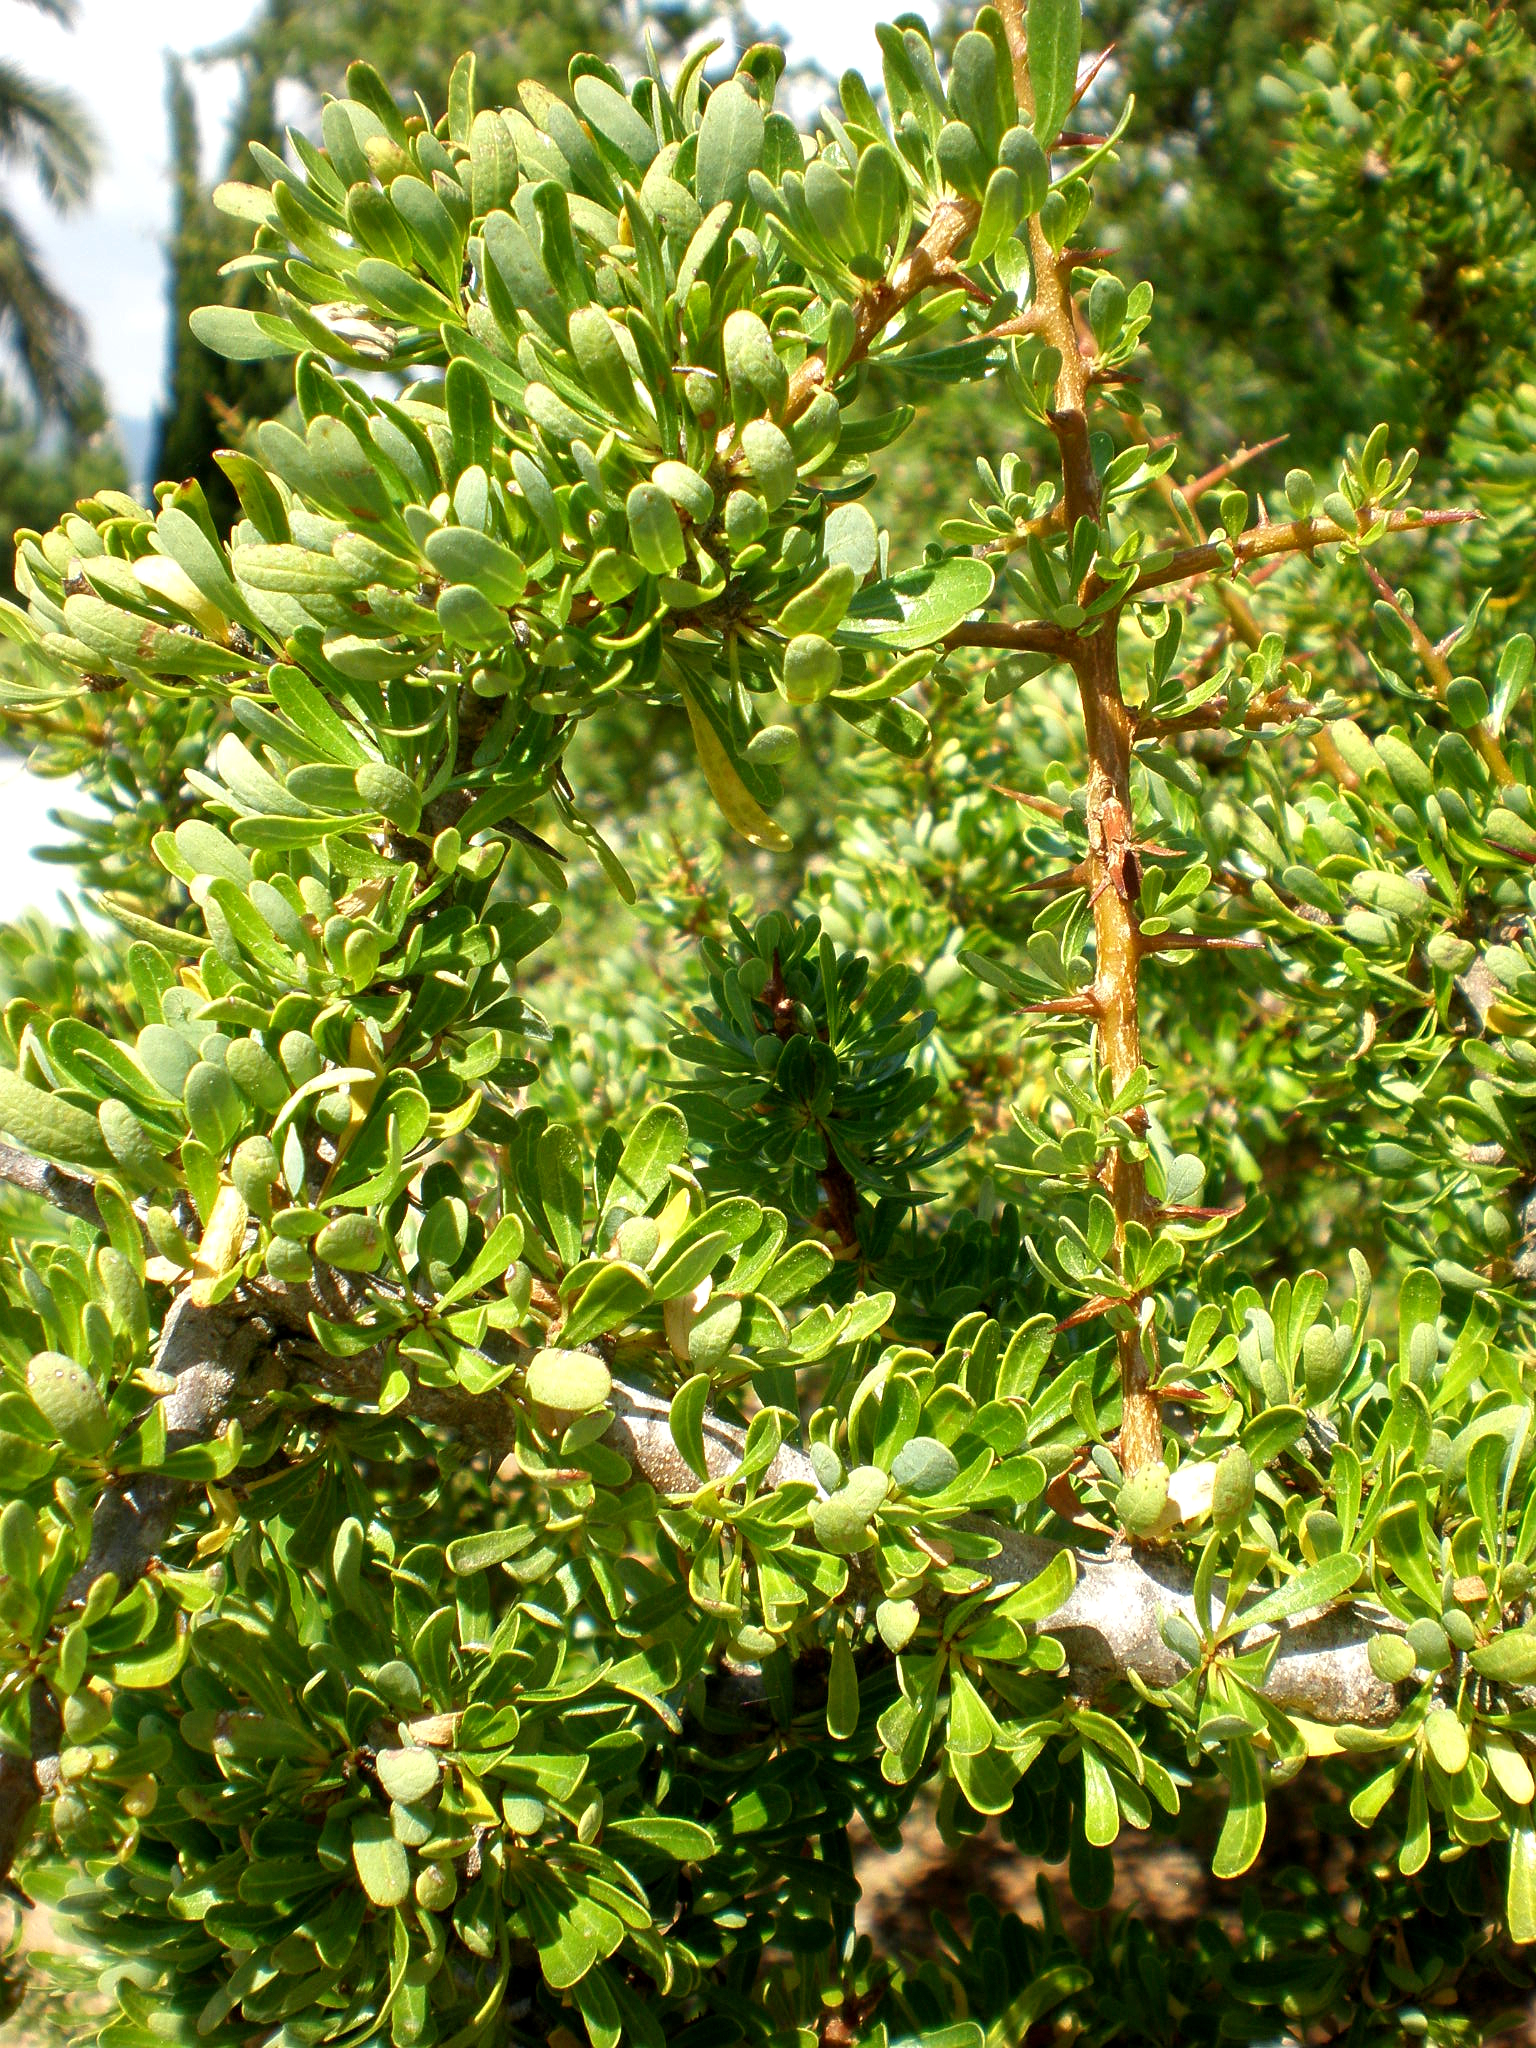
[1114, 876]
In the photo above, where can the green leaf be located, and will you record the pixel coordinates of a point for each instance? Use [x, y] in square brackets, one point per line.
[919, 606]
[658, 1142]
[1319, 1585]
[1520, 1894]
[1101, 1809]
[383, 1868]
[467, 1555]
[1510, 1658]
[608, 1301]
[1043, 1594]
[730, 145]
[924, 1465]
[685, 1841]
[407, 1775]
[1242, 1832]
[68, 1400]
[736, 802]
[48, 1125]
[245, 337]
[685, 1418]
[842, 1690]
[558, 1158]
[1055, 36]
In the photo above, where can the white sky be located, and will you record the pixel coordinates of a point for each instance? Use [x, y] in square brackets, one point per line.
[110, 254]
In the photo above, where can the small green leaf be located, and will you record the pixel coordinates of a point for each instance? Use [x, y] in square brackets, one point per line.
[1319, 1585]
[407, 1775]
[919, 606]
[1054, 31]
[842, 1691]
[1242, 1832]
[685, 1841]
[924, 1465]
[1520, 1895]
[730, 145]
[383, 1868]
[685, 1418]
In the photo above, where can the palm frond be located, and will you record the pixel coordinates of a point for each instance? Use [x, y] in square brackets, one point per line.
[46, 130]
[41, 331]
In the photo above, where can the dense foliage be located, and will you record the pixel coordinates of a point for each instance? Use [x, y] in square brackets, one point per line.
[516, 1438]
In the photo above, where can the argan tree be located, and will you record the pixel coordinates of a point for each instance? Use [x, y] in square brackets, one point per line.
[470, 1558]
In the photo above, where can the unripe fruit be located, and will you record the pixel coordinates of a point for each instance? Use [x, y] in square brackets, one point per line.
[289, 1262]
[1390, 1658]
[69, 1401]
[355, 1244]
[1143, 1498]
[812, 669]
[437, 1886]
[1232, 1494]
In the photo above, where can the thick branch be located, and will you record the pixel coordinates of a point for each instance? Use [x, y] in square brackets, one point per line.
[65, 1191]
[1110, 1623]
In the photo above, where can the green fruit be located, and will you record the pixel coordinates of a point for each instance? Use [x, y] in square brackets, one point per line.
[774, 745]
[288, 1262]
[812, 669]
[637, 1240]
[69, 1401]
[1390, 1658]
[437, 1886]
[355, 1244]
[1143, 1499]
[574, 1382]
[1232, 1494]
